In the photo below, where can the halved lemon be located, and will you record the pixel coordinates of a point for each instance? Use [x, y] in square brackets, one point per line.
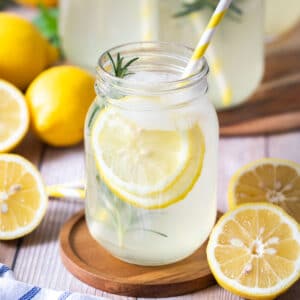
[254, 251]
[23, 198]
[148, 168]
[14, 116]
[267, 180]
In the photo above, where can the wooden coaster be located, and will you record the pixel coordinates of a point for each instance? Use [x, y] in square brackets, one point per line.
[89, 262]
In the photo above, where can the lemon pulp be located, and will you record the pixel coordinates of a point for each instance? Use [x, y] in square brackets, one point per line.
[23, 199]
[272, 180]
[254, 251]
[14, 117]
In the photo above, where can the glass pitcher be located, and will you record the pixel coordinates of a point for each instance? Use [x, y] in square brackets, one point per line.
[281, 17]
[235, 56]
[236, 53]
[151, 143]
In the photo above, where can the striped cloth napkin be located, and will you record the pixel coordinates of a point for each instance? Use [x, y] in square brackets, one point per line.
[11, 289]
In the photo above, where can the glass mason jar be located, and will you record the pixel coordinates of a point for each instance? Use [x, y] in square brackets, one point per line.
[235, 56]
[151, 144]
[281, 16]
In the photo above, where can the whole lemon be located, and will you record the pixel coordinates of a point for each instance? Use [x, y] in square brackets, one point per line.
[58, 102]
[36, 2]
[24, 53]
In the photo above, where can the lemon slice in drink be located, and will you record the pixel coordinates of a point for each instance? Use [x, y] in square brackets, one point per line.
[254, 251]
[14, 116]
[268, 180]
[23, 199]
[147, 168]
[137, 160]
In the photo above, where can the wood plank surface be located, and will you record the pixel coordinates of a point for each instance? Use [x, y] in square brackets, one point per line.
[285, 146]
[39, 250]
[233, 154]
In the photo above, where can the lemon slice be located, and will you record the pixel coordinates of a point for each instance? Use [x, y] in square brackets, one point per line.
[23, 199]
[254, 251]
[14, 117]
[147, 168]
[268, 180]
[183, 183]
[137, 160]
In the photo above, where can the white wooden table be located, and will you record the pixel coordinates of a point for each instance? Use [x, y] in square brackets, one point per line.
[35, 258]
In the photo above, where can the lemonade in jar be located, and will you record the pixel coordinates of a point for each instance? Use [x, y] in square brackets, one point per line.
[151, 142]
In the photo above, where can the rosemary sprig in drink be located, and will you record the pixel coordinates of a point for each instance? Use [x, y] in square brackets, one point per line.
[196, 5]
[115, 208]
[121, 70]
[124, 218]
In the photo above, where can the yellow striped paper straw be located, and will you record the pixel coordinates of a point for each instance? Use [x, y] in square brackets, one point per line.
[215, 64]
[206, 37]
[149, 19]
[67, 190]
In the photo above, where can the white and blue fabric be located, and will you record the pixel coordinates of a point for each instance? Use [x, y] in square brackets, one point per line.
[11, 289]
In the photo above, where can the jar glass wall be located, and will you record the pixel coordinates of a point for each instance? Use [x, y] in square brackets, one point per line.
[151, 157]
[235, 56]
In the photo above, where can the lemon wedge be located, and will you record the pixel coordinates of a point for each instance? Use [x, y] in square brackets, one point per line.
[23, 199]
[272, 180]
[14, 116]
[147, 168]
[254, 251]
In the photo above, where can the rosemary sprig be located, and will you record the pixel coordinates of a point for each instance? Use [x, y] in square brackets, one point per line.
[121, 70]
[124, 217]
[148, 230]
[196, 5]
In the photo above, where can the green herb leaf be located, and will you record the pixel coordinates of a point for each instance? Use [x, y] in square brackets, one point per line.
[119, 69]
[148, 230]
[125, 218]
[197, 5]
[93, 114]
[47, 22]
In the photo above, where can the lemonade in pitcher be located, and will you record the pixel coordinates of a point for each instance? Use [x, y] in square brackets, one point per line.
[151, 154]
[235, 56]
[281, 16]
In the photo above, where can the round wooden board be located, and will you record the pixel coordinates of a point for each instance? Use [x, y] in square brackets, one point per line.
[89, 262]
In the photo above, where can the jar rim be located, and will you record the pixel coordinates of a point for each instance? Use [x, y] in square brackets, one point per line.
[178, 51]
